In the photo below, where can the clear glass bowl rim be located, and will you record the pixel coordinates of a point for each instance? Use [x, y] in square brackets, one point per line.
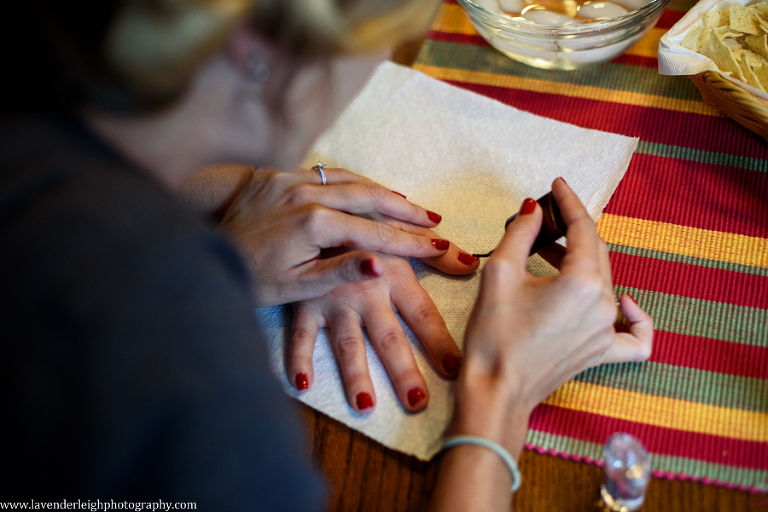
[633, 18]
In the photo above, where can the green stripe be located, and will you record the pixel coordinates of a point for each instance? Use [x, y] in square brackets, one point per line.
[707, 319]
[613, 76]
[678, 465]
[690, 384]
[704, 157]
[689, 260]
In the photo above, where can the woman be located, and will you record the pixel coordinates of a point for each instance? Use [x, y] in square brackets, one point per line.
[131, 363]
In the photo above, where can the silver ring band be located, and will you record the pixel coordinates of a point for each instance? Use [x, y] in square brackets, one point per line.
[320, 168]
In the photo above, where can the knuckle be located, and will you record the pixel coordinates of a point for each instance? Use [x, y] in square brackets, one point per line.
[384, 234]
[301, 336]
[375, 193]
[301, 193]
[389, 341]
[497, 268]
[314, 217]
[349, 348]
[426, 314]
[586, 286]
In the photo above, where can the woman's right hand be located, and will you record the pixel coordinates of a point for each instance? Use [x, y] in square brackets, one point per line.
[527, 336]
[282, 220]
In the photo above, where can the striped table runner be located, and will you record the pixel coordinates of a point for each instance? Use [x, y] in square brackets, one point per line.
[688, 233]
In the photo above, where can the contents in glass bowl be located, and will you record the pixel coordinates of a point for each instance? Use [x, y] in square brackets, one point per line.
[560, 13]
[736, 39]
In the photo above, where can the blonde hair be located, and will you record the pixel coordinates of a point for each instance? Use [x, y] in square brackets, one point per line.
[156, 45]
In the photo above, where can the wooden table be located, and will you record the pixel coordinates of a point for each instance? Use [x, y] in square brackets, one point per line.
[365, 476]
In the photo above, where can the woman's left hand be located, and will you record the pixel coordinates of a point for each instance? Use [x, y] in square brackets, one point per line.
[373, 304]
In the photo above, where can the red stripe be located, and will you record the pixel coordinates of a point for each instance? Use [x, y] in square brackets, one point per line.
[693, 281]
[710, 355]
[669, 18]
[595, 428]
[636, 60]
[703, 132]
[705, 196]
[449, 37]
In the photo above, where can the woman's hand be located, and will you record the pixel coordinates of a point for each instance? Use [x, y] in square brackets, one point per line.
[536, 333]
[282, 220]
[346, 309]
[526, 337]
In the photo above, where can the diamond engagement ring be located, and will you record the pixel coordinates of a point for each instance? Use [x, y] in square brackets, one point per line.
[320, 168]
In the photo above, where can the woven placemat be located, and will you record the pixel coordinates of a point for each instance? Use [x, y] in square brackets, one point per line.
[688, 232]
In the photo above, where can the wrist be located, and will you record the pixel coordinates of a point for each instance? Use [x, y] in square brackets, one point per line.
[491, 406]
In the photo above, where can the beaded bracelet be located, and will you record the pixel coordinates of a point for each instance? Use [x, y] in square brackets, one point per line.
[495, 448]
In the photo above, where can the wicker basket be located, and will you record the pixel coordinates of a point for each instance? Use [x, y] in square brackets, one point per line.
[734, 101]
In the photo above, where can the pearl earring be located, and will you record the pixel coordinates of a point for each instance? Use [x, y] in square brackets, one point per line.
[257, 69]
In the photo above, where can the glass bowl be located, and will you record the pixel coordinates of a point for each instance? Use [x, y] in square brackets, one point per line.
[562, 47]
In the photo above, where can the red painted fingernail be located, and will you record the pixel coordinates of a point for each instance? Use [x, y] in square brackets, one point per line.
[301, 381]
[563, 180]
[467, 259]
[632, 298]
[528, 206]
[440, 244]
[364, 401]
[451, 364]
[415, 396]
[434, 217]
[366, 268]
[398, 193]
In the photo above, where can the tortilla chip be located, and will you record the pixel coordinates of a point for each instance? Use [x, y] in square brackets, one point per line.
[727, 32]
[696, 38]
[761, 72]
[757, 44]
[744, 20]
[717, 50]
[716, 18]
[747, 69]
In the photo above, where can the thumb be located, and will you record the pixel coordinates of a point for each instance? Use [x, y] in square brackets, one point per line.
[636, 344]
[520, 234]
[320, 276]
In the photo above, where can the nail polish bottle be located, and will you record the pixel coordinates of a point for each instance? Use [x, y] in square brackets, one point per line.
[552, 225]
[627, 467]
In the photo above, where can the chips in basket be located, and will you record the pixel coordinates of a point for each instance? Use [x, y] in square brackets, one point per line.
[736, 39]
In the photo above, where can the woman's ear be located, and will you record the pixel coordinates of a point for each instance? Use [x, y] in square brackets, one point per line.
[250, 54]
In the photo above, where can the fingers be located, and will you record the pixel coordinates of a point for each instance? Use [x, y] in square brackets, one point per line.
[422, 316]
[306, 325]
[454, 262]
[636, 344]
[516, 244]
[583, 242]
[349, 345]
[331, 228]
[395, 352]
[355, 194]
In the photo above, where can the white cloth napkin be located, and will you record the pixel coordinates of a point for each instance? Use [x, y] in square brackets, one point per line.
[471, 159]
[676, 60]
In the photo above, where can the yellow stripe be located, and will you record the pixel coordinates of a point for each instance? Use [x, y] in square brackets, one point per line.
[648, 46]
[565, 89]
[699, 243]
[662, 412]
[452, 19]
